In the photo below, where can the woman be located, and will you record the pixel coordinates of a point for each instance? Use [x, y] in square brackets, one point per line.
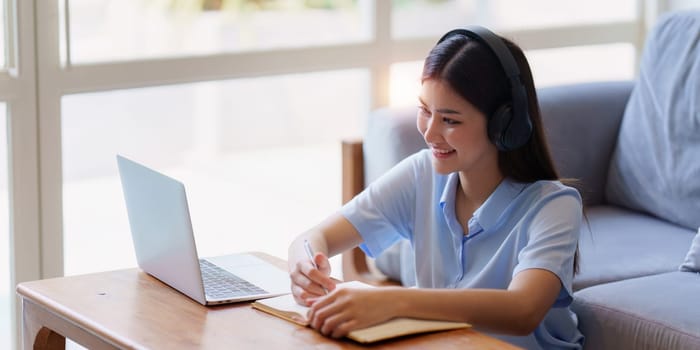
[493, 231]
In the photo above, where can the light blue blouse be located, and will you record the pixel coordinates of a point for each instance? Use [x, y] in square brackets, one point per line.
[520, 226]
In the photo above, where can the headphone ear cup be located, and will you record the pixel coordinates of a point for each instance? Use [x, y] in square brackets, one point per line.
[498, 126]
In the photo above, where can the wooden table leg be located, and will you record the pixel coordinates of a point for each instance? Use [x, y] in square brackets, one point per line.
[43, 329]
[48, 339]
[34, 334]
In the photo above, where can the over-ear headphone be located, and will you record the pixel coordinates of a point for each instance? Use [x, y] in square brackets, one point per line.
[509, 127]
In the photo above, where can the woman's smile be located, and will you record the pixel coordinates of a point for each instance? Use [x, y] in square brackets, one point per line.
[442, 153]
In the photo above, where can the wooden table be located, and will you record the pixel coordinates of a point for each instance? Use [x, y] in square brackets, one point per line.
[129, 309]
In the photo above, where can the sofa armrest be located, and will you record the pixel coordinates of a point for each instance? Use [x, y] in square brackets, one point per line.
[581, 123]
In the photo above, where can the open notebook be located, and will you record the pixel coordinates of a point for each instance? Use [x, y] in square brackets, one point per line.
[285, 307]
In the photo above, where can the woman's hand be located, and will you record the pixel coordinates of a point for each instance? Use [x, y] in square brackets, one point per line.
[347, 309]
[308, 281]
[332, 236]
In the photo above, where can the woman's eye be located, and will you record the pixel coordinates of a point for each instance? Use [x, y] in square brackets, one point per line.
[449, 121]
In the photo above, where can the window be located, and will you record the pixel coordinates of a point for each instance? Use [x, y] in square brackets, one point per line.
[260, 159]
[405, 83]
[431, 18]
[109, 30]
[516, 14]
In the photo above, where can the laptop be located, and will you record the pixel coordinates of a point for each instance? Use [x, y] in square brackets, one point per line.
[163, 238]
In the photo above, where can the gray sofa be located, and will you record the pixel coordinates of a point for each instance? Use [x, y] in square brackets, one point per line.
[630, 292]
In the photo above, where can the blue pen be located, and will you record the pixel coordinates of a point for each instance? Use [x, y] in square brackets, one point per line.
[310, 254]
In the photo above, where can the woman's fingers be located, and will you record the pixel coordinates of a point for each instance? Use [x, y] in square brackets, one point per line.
[324, 272]
[344, 310]
[311, 282]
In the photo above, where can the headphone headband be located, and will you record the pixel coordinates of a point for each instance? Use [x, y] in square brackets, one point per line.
[494, 43]
[516, 130]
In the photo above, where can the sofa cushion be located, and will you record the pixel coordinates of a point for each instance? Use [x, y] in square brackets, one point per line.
[656, 163]
[581, 122]
[618, 244]
[654, 312]
[692, 260]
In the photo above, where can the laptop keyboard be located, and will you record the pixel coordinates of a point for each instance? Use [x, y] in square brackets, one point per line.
[221, 284]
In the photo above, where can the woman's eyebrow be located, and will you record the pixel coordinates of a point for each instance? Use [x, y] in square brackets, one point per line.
[447, 111]
[440, 110]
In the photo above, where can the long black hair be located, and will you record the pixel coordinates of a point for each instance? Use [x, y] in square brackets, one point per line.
[473, 71]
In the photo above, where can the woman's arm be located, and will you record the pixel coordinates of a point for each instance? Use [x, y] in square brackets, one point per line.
[332, 236]
[517, 310]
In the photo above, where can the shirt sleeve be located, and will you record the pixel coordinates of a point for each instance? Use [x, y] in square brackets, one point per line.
[552, 241]
[383, 212]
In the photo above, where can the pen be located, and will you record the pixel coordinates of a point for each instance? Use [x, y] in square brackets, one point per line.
[310, 254]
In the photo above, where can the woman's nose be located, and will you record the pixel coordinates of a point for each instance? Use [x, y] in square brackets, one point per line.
[432, 129]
